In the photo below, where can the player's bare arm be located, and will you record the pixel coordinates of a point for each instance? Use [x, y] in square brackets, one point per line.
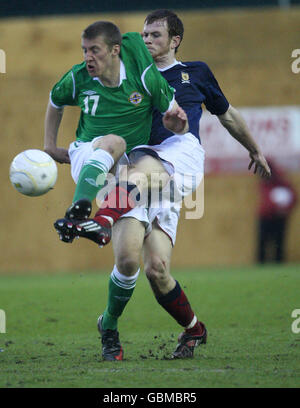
[52, 123]
[233, 121]
[176, 120]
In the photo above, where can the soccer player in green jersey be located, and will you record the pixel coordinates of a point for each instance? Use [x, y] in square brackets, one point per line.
[152, 231]
[116, 88]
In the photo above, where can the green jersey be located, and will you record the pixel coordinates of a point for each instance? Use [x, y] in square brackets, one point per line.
[125, 110]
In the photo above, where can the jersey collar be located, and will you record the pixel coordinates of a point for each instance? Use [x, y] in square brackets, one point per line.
[122, 74]
[171, 66]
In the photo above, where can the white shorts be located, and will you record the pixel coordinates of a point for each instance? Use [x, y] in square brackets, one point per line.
[166, 219]
[79, 153]
[183, 158]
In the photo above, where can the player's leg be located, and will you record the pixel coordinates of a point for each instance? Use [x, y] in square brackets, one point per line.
[180, 154]
[106, 151]
[131, 190]
[128, 237]
[179, 159]
[90, 163]
[135, 181]
[127, 241]
[169, 294]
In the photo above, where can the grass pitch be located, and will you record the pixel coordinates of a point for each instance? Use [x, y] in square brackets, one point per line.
[51, 338]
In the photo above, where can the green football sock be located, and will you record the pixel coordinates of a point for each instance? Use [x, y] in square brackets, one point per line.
[119, 293]
[91, 180]
[93, 174]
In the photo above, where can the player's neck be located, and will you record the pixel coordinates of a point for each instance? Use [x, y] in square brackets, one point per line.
[164, 61]
[111, 76]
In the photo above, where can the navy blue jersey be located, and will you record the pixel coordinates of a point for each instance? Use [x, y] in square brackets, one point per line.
[194, 84]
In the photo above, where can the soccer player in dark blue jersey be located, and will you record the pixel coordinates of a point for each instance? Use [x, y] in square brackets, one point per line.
[153, 230]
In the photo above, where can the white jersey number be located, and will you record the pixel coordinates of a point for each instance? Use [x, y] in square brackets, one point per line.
[94, 98]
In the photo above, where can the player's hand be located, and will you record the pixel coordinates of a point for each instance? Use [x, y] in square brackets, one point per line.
[260, 165]
[59, 154]
[176, 121]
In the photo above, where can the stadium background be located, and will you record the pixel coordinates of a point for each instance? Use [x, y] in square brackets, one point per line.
[249, 50]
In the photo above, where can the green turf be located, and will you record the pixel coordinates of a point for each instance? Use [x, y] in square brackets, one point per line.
[51, 338]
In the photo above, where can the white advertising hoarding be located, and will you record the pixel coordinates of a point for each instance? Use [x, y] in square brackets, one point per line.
[276, 130]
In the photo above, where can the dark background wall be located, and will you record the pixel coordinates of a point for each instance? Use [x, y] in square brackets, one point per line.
[40, 7]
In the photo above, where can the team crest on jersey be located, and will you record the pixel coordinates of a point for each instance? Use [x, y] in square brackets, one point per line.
[185, 78]
[135, 98]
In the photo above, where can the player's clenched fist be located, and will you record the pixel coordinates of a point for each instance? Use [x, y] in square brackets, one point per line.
[176, 120]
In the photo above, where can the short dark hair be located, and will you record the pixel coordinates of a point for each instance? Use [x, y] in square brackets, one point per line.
[108, 30]
[175, 25]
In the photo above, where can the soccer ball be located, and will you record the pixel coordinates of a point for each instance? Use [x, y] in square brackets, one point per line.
[33, 172]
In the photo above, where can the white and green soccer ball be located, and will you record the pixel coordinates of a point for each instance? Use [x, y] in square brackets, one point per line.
[33, 172]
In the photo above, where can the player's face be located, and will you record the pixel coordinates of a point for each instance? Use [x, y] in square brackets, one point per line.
[156, 38]
[97, 55]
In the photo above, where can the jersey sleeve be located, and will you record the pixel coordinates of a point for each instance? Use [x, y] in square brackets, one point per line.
[161, 92]
[215, 101]
[153, 82]
[63, 93]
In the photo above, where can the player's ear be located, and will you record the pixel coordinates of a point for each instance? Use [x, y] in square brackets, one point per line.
[116, 49]
[176, 40]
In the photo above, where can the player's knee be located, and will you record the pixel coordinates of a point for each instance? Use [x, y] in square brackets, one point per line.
[155, 269]
[113, 144]
[127, 265]
[118, 145]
